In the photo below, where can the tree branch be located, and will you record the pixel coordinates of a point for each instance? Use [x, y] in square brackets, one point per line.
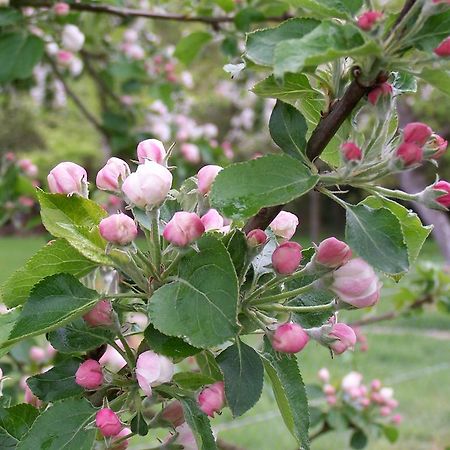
[86, 113]
[131, 12]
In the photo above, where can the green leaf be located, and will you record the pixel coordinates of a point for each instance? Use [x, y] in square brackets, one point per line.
[440, 79]
[243, 373]
[236, 245]
[246, 16]
[200, 305]
[414, 233]
[294, 90]
[376, 235]
[242, 189]
[7, 322]
[289, 391]
[15, 423]
[138, 425]
[62, 426]
[325, 43]
[341, 9]
[55, 301]
[9, 16]
[358, 440]
[288, 129]
[192, 380]
[208, 365]
[79, 337]
[75, 219]
[199, 424]
[168, 345]
[56, 257]
[19, 53]
[391, 433]
[404, 82]
[260, 44]
[435, 29]
[57, 383]
[189, 46]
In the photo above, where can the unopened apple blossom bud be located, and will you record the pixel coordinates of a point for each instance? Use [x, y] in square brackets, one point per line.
[351, 152]
[356, 284]
[191, 153]
[397, 419]
[284, 225]
[61, 9]
[173, 413]
[37, 354]
[256, 238]
[417, 133]
[184, 438]
[72, 38]
[212, 220]
[153, 369]
[151, 149]
[206, 176]
[435, 147]
[345, 338]
[286, 258]
[68, 178]
[331, 400]
[332, 253]
[118, 229]
[28, 168]
[367, 20]
[436, 196]
[100, 315]
[409, 154]
[351, 380]
[108, 422]
[212, 399]
[64, 58]
[375, 385]
[385, 411]
[30, 398]
[383, 90]
[324, 375]
[443, 49]
[289, 337]
[122, 445]
[183, 229]
[112, 174]
[328, 389]
[149, 185]
[89, 375]
[444, 199]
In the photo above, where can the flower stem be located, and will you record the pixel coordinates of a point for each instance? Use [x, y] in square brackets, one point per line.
[298, 309]
[283, 295]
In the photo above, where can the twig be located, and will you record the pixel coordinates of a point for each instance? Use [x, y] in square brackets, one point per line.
[223, 445]
[131, 12]
[86, 113]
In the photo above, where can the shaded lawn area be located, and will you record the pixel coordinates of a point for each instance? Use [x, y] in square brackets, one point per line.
[417, 365]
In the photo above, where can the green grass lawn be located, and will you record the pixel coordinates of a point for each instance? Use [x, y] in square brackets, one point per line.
[416, 364]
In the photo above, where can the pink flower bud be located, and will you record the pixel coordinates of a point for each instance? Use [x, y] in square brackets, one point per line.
[37, 354]
[351, 380]
[173, 413]
[286, 258]
[72, 38]
[397, 419]
[212, 220]
[324, 375]
[183, 229]
[437, 146]
[365, 402]
[61, 9]
[289, 338]
[30, 398]
[417, 133]
[28, 168]
[185, 437]
[100, 314]
[206, 176]
[64, 57]
[68, 178]
[385, 411]
[333, 253]
[108, 422]
[351, 152]
[151, 149]
[112, 174]
[375, 385]
[89, 375]
[212, 398]
[368, 19]
[118, 229]
[444, 199]
[257, 237]
[381, 91]
[123, 445]
[284, 225]
[191, 153]
[443, 49]
[345, 338]
[328, 389]
[149, 185]
[153, 369]
[356, 284]
[331, 400]
[409, 153]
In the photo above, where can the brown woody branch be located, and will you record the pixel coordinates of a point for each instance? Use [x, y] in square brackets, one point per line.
[131, 12]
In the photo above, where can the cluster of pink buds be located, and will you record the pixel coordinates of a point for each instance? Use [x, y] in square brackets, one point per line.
[351, 152]
[367, 20]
